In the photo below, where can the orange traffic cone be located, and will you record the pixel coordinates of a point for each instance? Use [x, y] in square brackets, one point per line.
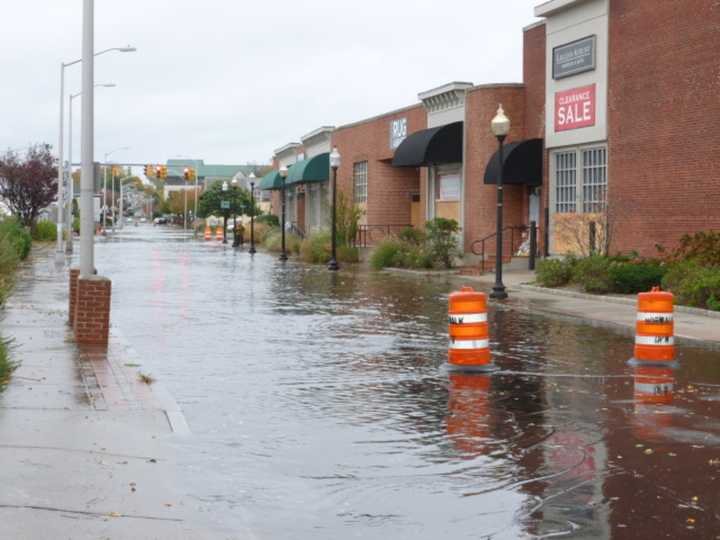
[208, 232]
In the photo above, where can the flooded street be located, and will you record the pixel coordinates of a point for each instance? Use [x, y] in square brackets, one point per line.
[320, 409]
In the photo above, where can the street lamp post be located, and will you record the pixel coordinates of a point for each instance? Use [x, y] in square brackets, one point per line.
[334, 164]
[252, 214]
[283, 175]
[112, 189]
[89, 56]
[500, 127]
[225, 217]
[234, 184]
[71, 183]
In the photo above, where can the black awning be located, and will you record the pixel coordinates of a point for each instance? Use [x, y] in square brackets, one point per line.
[433, 146]
[522, 164]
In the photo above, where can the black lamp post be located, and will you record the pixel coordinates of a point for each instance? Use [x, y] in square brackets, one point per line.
[283, 175]
[225, 213]
[334, 164]
[234, 188]
[500, 126]
[252, 214]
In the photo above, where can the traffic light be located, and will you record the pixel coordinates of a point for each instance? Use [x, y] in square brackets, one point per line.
[189, 174]
[163, 171]
[149, 171]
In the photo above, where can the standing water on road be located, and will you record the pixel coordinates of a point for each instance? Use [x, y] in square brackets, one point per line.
[319, 407]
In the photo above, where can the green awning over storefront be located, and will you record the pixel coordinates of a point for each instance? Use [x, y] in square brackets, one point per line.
[271, 180]
[315, 169]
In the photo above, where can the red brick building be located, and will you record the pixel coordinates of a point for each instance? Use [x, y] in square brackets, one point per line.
[389, 196]
[614, 128]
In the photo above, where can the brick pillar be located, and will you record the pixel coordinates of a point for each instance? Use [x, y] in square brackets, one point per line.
[92, 310]
[74, 274]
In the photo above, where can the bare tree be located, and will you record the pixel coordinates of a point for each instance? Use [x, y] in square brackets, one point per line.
[29, 184]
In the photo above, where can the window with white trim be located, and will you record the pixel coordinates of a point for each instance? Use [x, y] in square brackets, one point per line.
[580, 179]
[594, 179]
[360, 181]
[565, 182]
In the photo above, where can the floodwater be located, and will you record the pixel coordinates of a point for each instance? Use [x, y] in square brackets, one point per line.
[320, 410]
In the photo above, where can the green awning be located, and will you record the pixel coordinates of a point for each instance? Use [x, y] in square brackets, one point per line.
[271, 180]
[315, 169]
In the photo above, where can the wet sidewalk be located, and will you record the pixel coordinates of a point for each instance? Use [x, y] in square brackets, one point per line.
[692, 325]
[86, 448]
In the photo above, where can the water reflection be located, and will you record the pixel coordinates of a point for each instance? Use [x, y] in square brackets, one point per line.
[319, 408]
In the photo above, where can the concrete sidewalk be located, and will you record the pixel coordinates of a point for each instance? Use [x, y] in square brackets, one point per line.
[695, 325]
[85, 447]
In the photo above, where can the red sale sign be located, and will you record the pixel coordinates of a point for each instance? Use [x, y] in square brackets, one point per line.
[575, 108]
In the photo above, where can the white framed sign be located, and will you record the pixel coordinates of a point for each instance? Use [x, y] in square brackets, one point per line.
[450, 187]
[398, 132]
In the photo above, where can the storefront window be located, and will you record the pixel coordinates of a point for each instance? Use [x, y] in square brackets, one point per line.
[360, 181]
[594, 179]
[565, 182]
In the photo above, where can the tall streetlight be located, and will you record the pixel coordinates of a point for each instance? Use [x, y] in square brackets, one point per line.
[71, 184]
[87, 21]
[234, 184]
[500, 127]
[225, 188]
[334, 164]
[252, 214]
[283, 176]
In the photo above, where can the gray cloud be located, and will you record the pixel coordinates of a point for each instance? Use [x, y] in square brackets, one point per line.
[229, 81]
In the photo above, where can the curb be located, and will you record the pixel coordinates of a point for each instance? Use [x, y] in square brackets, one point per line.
[614, 300]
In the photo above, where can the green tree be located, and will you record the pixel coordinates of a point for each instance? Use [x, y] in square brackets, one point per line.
[210, 202]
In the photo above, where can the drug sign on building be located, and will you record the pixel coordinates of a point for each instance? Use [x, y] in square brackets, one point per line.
[575, 108]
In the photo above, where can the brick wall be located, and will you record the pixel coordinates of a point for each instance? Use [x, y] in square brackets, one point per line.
[480, 145]
[389, 188]
[92, 310]
[534, 79]
[664, 83]
[72, 296]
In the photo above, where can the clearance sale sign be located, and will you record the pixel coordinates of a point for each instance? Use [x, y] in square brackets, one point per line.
[575, 108]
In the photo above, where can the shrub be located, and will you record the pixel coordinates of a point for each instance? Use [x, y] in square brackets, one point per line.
[442, 240]
[347, 219]
[702, 247]
[262, 231]
[9, 256]
[273, 242]
[17, 236]
[714, 303]
[555, 272]
[348, 254]
[267, 219]
[316, 248]
[593, 274]
[635, 277]
[76, 225]
[386, 254]
[7, 366]
[44, 231]
[411, 235]
[693, 284]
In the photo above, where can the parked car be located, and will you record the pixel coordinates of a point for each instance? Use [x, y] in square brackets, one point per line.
[143, 220]
[160, 221]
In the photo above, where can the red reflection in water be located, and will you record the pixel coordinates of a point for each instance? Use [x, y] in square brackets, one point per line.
[468, 422]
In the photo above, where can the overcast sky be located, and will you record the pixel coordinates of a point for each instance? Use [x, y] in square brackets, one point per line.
[228, 81]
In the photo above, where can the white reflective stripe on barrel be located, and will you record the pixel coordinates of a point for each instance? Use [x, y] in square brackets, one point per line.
[654, 389]
[655, 317]
[467, 318]
[654, 340]
[468, 344]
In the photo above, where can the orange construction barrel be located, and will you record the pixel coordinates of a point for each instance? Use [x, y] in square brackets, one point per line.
[469, 346]
[208, 232]
[219, 233]
[655, 328]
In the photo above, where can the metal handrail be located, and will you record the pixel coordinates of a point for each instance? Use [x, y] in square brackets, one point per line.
[481, 243]
[297, 231]
[365, 232]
